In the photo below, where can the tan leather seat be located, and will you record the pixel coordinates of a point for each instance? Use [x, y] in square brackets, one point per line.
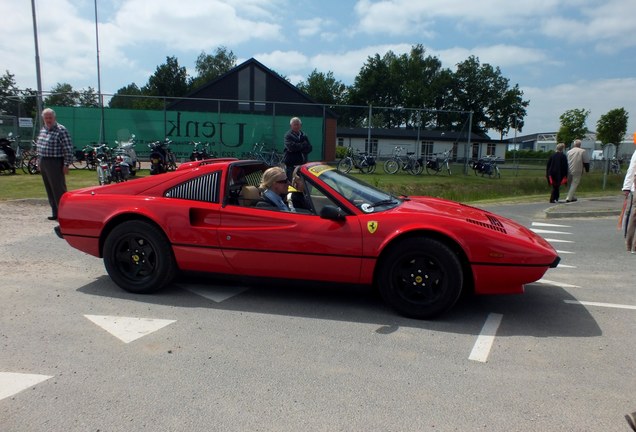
[249, 196]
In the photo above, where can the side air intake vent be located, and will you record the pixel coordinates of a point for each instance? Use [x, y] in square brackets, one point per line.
[495, 224]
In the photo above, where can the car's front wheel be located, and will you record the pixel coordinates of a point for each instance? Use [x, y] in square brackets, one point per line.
[420, 277]
[138, 257]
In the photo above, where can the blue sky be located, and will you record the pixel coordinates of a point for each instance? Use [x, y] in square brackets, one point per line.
[564, 54]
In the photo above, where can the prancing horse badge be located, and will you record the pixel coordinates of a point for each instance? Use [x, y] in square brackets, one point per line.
[372, 226]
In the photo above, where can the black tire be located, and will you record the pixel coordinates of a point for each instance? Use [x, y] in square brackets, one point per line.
[172, 162]
[415, 168]
[420, 278]
[391, 166]
[138, 257]
[431, 171]
[345, 165]
[32, 166]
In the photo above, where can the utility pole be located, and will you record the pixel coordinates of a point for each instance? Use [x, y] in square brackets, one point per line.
[38, 98]
[102, 131]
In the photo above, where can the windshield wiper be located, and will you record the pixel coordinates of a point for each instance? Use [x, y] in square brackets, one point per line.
[385, 202]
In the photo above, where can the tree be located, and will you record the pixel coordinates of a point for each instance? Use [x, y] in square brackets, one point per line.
[508, 112]
[62, 94]
[29, 103]
[124, 97]
[324, 88]
[484, 91]
[375, 85]
[611, 127]
[88, 98]
[572, 126]
[8, 94]
[169, 80]
[210, 67]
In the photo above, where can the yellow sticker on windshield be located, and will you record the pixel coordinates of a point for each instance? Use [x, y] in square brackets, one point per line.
[319, 169]
[372, 226]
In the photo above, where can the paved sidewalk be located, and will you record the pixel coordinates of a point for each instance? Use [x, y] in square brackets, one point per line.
[587, 207]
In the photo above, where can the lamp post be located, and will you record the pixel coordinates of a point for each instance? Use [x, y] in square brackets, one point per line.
[102, 131]
[38, 98]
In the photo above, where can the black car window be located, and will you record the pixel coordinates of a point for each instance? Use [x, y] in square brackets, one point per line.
[203, 188]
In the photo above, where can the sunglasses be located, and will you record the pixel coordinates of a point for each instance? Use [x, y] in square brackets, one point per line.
[282, 181]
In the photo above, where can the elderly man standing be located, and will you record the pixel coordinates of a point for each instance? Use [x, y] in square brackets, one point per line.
[56, 154]
[578, 160]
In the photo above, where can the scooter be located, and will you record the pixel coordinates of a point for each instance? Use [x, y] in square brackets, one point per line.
[7, 154]
[126, 149]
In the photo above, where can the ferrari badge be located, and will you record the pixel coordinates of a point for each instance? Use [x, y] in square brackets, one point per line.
[372, 226]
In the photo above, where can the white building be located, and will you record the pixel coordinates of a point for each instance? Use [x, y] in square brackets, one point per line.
[423, 143]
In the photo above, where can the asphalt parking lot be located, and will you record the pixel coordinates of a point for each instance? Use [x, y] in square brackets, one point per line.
[77, 353]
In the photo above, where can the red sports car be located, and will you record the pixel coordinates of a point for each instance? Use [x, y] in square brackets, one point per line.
[421, 253]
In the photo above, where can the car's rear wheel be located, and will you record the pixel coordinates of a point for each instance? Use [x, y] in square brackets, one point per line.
[138, 257]
[420, 277]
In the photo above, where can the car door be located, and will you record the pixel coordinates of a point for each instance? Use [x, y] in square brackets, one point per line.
[272, 243]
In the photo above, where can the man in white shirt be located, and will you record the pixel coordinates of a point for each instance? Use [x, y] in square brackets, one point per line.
[578, 160]
[629, 189]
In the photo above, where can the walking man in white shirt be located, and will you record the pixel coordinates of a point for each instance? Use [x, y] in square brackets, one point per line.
[578, 160]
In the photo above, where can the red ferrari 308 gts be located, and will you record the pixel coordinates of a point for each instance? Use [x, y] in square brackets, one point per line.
[207, 216]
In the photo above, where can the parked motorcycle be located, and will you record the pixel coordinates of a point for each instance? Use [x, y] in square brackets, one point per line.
[7, 154]
[199, 151]
[120, 170]
[126, 149]
[103, 157]
[161, 158]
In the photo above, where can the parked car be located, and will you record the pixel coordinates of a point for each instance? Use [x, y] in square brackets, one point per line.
[421, 253]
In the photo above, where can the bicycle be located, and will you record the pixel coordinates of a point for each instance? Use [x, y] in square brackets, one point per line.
[410, 163]
[271, 157]
[360, 160]
[487, 166]
[435, 164]
[615, 166]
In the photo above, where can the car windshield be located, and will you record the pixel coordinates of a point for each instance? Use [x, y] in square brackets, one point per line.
[365, 197]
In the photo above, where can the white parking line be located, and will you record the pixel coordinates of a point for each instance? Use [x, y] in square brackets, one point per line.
[565, 266]
[541, 231]
[558, 241]
[559, 284]
[484, 342]
[609, 305]
[564, 252]
[542, 224]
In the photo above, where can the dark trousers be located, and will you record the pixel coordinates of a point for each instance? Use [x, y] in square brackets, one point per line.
[52, 170]
[554, 196]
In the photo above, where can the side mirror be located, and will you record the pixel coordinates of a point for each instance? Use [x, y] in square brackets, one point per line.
[332, 213]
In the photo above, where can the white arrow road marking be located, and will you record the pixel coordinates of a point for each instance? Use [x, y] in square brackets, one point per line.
[540, 231]
[216, 293]
[128, 329]
[12, 383]
[609, 305]
[486, 338]
[559, 284]
[542, 224]
[558, 241]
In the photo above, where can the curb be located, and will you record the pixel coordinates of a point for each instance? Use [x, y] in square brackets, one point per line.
[590, 213]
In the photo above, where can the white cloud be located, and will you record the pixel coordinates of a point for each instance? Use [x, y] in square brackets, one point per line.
[599, 97]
